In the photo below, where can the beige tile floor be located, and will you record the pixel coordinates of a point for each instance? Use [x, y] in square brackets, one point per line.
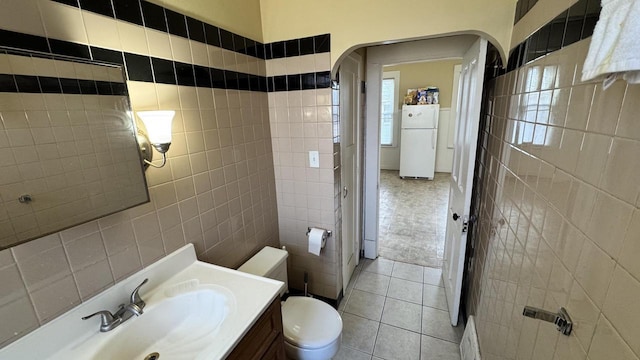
[413, 215]
[396, 311]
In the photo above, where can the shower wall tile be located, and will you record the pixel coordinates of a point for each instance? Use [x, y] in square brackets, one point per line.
[619, 307]
[558, 209]
[608, 344]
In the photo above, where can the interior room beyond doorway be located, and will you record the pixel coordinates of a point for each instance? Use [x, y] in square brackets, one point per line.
[412, 212]
[413, 218]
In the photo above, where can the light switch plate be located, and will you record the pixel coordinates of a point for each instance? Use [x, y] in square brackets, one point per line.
[314, 159]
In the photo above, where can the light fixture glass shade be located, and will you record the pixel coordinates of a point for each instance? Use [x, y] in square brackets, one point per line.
[158, 124]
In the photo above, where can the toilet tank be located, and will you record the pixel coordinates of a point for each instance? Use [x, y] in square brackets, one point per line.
[268, 262]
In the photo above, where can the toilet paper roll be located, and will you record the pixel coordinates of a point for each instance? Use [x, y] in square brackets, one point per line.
[316, 239]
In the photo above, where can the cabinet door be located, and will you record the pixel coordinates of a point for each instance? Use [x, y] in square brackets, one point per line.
[266, 333]
[276, 350]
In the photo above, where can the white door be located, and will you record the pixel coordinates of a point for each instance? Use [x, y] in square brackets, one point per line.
[349, 144]
[464, 155]
[418, 152]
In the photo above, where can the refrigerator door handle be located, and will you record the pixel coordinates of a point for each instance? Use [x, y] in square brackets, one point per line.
[433, 139]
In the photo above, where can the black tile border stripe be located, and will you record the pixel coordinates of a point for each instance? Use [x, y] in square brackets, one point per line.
[574, 24]
[162, 19]
[53, 85]
[157, 70]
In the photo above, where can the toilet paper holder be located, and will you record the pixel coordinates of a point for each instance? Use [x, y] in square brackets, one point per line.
[328, 231]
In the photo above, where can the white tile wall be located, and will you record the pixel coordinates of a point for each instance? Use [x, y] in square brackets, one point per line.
[227, 215]
[559, 215]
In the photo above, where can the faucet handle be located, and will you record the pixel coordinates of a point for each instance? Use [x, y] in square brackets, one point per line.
[135, 297]
[107, 320]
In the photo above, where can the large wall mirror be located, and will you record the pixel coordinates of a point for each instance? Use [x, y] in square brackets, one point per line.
[68, 151]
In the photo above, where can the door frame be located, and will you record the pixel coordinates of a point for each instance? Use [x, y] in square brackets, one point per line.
[443, 48]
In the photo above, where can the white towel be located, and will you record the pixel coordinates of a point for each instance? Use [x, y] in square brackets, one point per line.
[615, 45]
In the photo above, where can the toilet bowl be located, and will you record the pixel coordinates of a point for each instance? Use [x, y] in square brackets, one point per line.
[312, 328]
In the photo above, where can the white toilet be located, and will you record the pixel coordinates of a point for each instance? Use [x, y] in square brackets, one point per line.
[312, 328]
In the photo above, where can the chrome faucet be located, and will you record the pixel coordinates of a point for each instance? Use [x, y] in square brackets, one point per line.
[109, 321]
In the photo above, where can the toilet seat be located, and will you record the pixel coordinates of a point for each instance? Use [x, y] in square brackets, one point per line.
[310, 323]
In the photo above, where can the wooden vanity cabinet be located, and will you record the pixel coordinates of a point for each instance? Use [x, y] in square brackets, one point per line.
[265, 340]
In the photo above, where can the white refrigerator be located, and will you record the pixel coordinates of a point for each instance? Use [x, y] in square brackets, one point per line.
[418, 139]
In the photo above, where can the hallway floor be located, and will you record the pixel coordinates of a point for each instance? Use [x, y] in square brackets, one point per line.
[413, 218]
[396, 311]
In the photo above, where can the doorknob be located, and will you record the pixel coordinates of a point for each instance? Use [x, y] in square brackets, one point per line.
[345, 192]
[455, 217]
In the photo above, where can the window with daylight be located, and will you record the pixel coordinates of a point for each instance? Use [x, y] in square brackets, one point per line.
[389, 108]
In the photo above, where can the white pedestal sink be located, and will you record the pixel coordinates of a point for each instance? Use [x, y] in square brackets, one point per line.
[194, 310]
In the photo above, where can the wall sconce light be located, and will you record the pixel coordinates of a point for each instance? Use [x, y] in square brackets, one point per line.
[158, 125]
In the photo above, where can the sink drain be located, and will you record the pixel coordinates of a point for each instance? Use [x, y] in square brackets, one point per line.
[152, 356]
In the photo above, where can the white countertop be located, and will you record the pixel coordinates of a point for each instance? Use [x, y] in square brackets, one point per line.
[68, 337]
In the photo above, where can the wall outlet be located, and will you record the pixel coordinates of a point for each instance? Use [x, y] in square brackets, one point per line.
[314, 159]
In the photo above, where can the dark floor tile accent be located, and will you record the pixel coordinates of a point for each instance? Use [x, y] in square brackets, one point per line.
[217, 78]
[254, 83]
[543, 39]
[50, 85]
[128, 10]
[573, 31]
[322, 43]
[280, 83]
[260, 50]
[27, 83]
[196, 30]
[68, 2]
[102, 7]
[292, 48]
[264, 83]
[268, 53]
[323, 80]
[212, 36]
[119, 88]
[226, 39]
[556, 32]
[202, 76]
[107, 55]
[243, 81]
[531, 47]
[307, 46]
[176, 23]
[251, 47]
[578, 10]
[104, 88]
[184, 74]
[70, 86]
[293, 82]
[138, 67]
[270, 84]
[308, 81]
[88, 87]
[163, 71]
[231, 79]
[153, 16]
[23, 41]
[589, 26]
[69, 49]
[7, 83]
[239, 44]
[278, 50]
